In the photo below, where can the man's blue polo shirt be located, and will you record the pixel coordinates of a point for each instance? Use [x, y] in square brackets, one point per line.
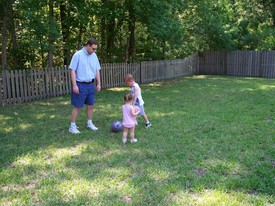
[85, 65]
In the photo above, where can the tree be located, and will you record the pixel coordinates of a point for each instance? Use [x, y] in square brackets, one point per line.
[8, 27]
[206, 26]
[50, 35]
[4, 32]
[162, 24]
[46, 33]
[66, 19]
[112, 15]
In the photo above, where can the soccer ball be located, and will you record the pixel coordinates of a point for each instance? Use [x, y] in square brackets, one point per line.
[117, 126]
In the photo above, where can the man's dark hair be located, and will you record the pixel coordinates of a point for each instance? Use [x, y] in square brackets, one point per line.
[91, 41]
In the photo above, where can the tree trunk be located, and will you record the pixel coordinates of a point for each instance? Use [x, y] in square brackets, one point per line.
[102, 45]
[13, 34]
[110, 38]
[132, 43]
[80, 34]
[65, 31]
[50, 37]
[273, 12]
[4, 36]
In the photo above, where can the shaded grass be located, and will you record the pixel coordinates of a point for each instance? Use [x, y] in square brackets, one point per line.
[211, 143]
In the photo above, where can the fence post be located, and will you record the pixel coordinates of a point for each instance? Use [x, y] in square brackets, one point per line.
[140, 74]
[261, 67]
[225, 63]
[4, 96]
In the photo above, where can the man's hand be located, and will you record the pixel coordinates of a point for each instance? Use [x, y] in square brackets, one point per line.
[98, 87]
[75, 89]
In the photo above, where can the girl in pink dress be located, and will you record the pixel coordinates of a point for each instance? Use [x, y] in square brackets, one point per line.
[129, 113]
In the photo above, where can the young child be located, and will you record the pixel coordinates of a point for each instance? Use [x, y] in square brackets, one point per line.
[138, 101]
[129, 113]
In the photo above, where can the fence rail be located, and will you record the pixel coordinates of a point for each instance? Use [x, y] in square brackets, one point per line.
[238, 63]
[29, 85]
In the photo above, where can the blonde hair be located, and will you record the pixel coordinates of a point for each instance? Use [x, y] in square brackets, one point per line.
[128, 78]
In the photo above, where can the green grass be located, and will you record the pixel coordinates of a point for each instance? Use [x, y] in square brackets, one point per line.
[211, 143]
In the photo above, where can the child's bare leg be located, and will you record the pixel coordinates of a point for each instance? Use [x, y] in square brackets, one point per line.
[145, 118]
[132, 133]
[148, 124]
[124, 134]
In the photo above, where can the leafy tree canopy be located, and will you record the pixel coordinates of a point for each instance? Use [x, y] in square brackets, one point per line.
[47, 32]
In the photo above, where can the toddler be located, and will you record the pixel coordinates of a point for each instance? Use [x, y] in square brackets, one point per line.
[129, 113]
[137, 97]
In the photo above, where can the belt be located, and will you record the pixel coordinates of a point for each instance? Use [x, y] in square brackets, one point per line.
[86, 82]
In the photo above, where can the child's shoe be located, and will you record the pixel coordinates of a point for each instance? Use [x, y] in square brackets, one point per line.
[133, 140]
[124, 141]
[147, 125]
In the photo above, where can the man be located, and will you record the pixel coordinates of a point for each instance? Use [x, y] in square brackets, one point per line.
[84, 70]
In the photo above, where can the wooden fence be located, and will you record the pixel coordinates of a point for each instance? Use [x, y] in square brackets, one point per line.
[28, 85]
[238, 63]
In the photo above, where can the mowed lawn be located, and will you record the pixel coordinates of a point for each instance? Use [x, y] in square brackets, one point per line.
[212, 142]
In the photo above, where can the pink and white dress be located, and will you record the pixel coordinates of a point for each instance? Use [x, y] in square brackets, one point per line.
[129, 120]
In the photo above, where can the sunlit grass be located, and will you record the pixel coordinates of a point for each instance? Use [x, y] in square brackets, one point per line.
[211, 143]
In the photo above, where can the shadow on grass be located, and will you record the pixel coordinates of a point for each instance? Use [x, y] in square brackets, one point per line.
[209, 133]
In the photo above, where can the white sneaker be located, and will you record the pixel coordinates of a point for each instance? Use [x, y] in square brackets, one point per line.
[147, 125]
[133, 140]
[92, 126]
[124, 141]
[73, 129]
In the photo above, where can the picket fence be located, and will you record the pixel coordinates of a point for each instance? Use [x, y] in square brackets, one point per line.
[18, 86]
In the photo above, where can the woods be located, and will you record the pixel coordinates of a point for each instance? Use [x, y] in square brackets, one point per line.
[45, 33]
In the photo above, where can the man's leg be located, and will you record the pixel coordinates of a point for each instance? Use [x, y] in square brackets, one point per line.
[75, 114]
[90, 112]
[73, 128]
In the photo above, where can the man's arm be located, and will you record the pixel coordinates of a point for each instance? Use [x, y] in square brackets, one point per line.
[73, 78]
[98, 81]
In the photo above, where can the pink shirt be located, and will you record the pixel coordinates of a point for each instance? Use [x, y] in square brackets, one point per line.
[129, 121]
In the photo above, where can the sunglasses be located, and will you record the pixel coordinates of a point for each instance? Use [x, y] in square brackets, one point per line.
[93, 48]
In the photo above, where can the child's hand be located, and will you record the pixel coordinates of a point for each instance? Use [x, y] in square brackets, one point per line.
[137, 110]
